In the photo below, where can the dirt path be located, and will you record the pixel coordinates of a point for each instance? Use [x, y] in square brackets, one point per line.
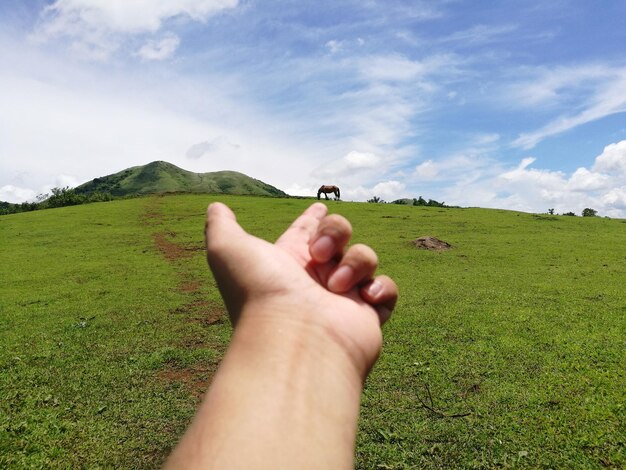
[198, 308]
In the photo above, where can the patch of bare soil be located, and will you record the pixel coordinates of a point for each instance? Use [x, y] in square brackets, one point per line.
[431, 243]
[170, 250]
[189, 286]
[202, 311]
[152, 216]
[197, 380]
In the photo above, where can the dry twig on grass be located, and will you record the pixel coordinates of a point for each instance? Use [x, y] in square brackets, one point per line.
[431, 407]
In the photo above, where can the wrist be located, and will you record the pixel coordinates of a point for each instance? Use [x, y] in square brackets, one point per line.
[293, 338]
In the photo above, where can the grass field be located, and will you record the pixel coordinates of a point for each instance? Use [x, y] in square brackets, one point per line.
[509, 350]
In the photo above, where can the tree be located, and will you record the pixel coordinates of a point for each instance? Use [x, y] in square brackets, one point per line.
[551, 211]
[570, 214]
[589, 212]
[376, 200]
[64, 197]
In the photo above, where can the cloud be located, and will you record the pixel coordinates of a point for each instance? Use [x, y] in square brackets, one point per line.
[467, 165]
[298, 190]
[15, 194]
[357, 160]
[389, 189]
[397, 67]
[479, 34]
[525, 188]
[585, 180]
[334, 46]
[612, 159]
[216, 146]
[159, 49]
[96, 28]
[73, 17]
[616, 198]
[353, 164]
[599, 91]
[426, 170]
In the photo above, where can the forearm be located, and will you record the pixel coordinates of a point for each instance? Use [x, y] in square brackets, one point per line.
[285, 396]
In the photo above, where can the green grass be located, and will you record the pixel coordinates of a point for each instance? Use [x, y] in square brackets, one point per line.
[521, 327]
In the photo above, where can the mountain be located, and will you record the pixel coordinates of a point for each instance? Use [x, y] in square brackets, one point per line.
[163, 177]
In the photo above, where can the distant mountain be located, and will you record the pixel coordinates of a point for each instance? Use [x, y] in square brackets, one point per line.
[163, 177]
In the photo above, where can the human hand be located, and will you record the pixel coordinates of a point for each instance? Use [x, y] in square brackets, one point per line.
[306, 283]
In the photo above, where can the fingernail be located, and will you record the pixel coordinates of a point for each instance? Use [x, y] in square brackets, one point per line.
[322, 249]
[374, 289]
[213, 207]
[341, 279]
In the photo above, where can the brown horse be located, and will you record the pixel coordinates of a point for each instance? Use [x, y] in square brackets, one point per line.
[328, 189]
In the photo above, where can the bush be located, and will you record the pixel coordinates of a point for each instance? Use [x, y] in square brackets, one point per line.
[376, 200]
[62, 197]
[589, 212]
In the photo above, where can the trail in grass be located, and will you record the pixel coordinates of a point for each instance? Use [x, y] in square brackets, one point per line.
[197, 308]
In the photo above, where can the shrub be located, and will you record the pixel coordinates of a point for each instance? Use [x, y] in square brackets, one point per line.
[589, 212]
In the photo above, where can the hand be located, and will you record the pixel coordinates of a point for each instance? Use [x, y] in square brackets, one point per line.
[303, 283]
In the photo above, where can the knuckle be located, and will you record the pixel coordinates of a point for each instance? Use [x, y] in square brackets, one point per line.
[364, 254]
[336, 224]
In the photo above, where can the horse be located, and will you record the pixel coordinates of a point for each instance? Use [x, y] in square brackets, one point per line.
[328, 189]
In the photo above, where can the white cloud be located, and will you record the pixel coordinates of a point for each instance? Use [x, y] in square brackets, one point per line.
[298, 190]
[426, 170]
[220, 147]
[600, 90]
[15, 194]
[96, 28]
[603, 187]
[585, 180]
[469, 165]
[354, 166]
[398, 68]
[616, 198]
[357, 160]
[74, 17]
[334, 46]
[612, 160]
[159, 49]
[479, 34]
[389, 189]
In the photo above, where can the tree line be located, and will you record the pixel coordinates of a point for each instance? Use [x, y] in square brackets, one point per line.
[58, 197]
[420, 201]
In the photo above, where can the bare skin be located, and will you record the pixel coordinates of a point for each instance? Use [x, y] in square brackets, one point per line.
[307, 314]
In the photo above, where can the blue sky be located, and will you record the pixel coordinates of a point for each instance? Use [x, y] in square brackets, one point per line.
[517, 105]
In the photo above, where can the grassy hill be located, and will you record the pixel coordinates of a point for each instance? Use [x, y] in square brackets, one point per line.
[111, 327]
[163, 177]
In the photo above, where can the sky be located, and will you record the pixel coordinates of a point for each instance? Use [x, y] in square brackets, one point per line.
[514, 105]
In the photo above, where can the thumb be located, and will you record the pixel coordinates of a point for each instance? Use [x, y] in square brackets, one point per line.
[220, 230]
[227, 251]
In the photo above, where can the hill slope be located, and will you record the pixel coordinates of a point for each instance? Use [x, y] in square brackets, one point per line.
[163, 177]
[518, 330]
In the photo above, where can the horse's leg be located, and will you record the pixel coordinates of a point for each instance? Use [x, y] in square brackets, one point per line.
[326, 196]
